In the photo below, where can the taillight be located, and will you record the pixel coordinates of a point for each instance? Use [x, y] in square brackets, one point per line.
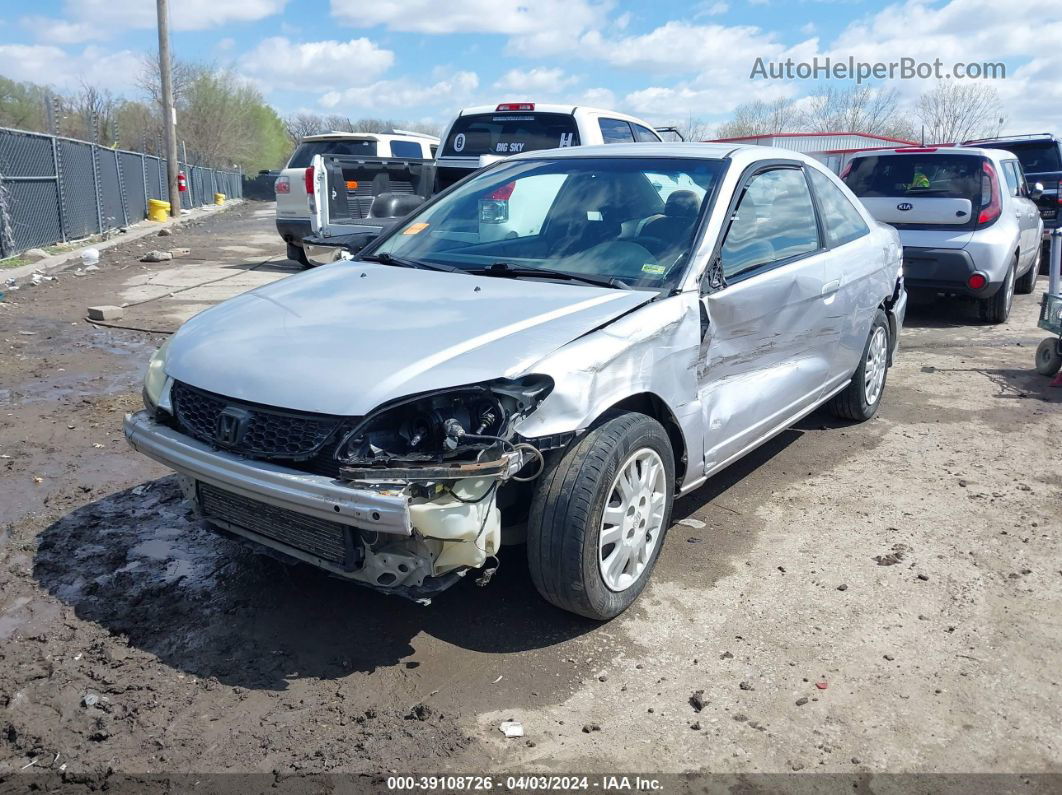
[515, 106]
[1060, 191]
[308, 176]
[917, 149]
[991, 203]
[976, 281]
[282, 185]
[503, 193]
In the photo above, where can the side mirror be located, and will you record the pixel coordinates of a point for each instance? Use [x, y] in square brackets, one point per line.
[1037, 191]
[394, 205]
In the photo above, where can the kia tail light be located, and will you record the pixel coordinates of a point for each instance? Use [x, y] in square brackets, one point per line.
[991, 200]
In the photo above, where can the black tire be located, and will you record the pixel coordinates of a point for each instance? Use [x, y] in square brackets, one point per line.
[852, 403]
[567, 510]
[297, 254]
[997, 308]
[1048, 356]
[1027, 283]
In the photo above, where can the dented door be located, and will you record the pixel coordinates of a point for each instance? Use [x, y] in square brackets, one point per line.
[767, 357]
[766, 354]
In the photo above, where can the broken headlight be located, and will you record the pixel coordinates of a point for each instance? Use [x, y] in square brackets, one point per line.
[452, 425]
[155, 378]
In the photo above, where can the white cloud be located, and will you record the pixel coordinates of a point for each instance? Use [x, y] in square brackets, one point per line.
[510, 17]
[541, 79]
[709, 9]
[314, 66]
[97, 19]
[404, 94]
[60, 31]
[95, 66]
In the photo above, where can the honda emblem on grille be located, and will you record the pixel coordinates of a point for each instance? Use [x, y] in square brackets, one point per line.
[904, 206]
[231, 425]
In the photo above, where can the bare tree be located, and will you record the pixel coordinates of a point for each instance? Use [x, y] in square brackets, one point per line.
[859, 108]
[91, 115]
[953, 112]
[693, 129]
[184, 74]
[299, 125]
[337, 123]
[759, 118]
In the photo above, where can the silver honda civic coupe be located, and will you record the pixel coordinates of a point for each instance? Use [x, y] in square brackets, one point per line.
[652, 313]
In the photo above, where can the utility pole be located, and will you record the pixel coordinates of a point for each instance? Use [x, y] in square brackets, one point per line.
[169, 113]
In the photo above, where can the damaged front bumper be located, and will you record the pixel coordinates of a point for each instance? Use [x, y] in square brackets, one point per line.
[383, 533]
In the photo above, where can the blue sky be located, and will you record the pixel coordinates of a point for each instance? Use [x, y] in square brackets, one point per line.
[420, 60]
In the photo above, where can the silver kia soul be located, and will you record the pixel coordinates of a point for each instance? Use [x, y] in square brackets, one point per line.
[968, 221]
[398, 417]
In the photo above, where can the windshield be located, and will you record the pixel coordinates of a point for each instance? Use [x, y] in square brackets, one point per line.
[1037, 158]
[509, 134]
[305, 152]
[930, 175]
[626, 219]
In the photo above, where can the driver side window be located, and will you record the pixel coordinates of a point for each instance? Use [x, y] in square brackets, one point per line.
[774, 221]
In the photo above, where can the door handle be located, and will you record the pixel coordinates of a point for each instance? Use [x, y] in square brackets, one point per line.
[831, 287]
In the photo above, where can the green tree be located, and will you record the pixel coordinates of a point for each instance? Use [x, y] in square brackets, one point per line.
[22, 105]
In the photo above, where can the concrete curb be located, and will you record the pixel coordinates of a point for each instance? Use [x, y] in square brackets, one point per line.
[141, 229]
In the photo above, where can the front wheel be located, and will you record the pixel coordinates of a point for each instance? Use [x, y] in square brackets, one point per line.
[599, 517]
[1049, 356]
[860, 399]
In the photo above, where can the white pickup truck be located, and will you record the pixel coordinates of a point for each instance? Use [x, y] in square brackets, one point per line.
[293, 213]
[476, 137]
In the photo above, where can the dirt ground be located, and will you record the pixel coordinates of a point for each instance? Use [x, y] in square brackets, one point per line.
[878, 598]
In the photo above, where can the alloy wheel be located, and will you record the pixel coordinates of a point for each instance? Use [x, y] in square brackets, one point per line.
[633, 519]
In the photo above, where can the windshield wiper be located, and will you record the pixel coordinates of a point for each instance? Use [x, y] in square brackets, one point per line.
[388, 259]
[508, 269]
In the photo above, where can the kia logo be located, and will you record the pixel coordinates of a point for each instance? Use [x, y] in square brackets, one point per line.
[904, 206]
[231, 425]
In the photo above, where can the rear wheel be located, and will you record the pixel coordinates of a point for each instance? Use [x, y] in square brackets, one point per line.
[997, 308]
[860, 399]
[1048, 357]
[297, 254]
[599, 517]
[1027, 283]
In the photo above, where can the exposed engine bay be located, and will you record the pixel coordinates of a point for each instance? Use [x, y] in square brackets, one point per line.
[449, 453]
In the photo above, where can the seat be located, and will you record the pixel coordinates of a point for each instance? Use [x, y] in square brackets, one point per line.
[680, 214]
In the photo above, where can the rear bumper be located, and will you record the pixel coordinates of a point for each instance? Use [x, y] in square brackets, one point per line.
[293, 230]
[312, 495]
[944, 270]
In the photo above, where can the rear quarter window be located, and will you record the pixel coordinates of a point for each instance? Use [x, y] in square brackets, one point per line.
[841, 219]
[615, 131]
[409, 149]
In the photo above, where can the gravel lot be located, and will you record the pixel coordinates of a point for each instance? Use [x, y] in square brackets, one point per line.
[877, 599]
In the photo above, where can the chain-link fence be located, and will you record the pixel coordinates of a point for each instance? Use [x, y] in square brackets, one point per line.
[56, 189]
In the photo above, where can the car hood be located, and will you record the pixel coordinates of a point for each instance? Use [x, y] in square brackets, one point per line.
[348, 337]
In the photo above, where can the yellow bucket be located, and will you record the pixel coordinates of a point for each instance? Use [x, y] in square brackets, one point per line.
[219, 198]
[158, 210]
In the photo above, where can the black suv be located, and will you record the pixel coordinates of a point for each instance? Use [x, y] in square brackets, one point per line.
[1041, 160]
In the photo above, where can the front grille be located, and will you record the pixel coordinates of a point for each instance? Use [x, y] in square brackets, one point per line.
[330, 541]
[265, 433]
